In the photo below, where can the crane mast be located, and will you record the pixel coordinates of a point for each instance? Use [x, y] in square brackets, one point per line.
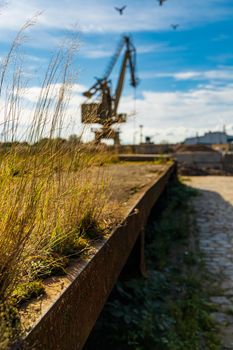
[106, 111]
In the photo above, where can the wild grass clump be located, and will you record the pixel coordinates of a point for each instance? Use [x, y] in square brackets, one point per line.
[53, 199]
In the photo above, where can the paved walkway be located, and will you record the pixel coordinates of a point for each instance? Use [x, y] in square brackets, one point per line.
[214, 207]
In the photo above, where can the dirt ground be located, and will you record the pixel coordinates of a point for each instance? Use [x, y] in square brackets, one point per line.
[127, 181]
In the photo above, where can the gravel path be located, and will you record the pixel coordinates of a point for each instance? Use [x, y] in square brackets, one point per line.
[214, 208]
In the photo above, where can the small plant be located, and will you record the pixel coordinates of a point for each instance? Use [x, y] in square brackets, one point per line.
[27, 291]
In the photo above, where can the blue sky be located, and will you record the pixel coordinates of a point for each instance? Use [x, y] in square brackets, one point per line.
[186, 76]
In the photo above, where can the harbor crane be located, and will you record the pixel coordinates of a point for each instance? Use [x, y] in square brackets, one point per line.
[105, 112]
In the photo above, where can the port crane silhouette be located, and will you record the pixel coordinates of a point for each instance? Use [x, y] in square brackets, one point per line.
[105, 112]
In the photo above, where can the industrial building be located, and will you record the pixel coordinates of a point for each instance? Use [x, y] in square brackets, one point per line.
[209, 138]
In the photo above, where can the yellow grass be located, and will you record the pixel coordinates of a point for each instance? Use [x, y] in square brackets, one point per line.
[53, 200]
[53, 203]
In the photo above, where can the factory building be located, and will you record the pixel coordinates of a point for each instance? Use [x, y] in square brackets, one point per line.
[209, 138]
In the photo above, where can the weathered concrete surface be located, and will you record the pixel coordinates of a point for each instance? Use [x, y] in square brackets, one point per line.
[214, 212]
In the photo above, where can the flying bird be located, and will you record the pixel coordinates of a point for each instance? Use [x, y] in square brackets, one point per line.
[121, 9]
[175, 26]
[161, 2]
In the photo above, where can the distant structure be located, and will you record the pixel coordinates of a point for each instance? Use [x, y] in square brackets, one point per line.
[148, 140]
[105, 110]
[210, 138]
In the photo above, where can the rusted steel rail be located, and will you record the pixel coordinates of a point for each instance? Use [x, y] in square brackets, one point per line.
[69, 321]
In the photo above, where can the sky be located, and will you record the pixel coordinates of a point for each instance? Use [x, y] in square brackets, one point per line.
[186, 75]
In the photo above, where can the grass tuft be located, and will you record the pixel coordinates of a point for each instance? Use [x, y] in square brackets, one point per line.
[27, 291]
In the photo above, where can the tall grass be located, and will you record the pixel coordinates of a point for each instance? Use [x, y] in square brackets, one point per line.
[52, 192]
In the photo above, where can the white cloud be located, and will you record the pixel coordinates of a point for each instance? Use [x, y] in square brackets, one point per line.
[222, 74]
[101, 51]
[170, 116]
[175, 115]
[95, 51]
[159, 47]
[25, 110]
[93, 17]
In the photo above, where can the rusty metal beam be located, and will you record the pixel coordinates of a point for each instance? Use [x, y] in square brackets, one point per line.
[69, 321]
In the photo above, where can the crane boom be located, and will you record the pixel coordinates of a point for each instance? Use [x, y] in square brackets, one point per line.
[127, 59]
[114, 59]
